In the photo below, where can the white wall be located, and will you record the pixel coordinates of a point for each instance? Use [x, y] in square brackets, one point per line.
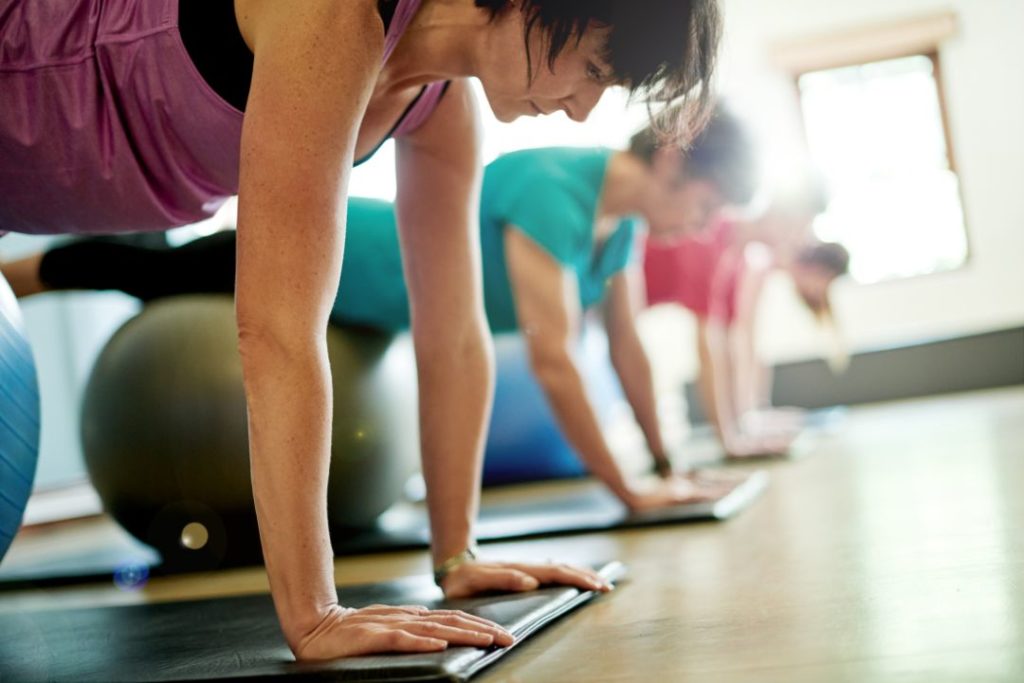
[983, 69]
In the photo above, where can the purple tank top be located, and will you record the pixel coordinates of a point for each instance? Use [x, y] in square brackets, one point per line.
[107, 126]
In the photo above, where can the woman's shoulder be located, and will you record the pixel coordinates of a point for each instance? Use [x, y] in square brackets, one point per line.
[257, 18]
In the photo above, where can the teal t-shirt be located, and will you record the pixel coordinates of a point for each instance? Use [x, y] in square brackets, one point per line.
[372, 287]
[550, 194]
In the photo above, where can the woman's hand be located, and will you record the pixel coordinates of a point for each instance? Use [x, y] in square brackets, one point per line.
[473, 578]
[765, 433]
[679, 489]
[758, 445]
[774, 421]
[346, 632]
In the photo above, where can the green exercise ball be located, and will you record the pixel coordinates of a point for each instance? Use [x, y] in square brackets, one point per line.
[165, 437]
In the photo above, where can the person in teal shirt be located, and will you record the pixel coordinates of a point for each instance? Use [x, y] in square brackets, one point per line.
[563, 182]
[558, 228]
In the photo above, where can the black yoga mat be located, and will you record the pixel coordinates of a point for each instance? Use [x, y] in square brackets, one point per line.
[518, 512]
[566, 508]
[237, 638]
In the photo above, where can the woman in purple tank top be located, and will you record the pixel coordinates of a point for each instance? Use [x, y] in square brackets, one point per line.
[110, 120]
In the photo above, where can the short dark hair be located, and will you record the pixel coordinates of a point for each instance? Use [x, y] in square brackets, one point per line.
[722, 153]
[664, 52]
[830, 256]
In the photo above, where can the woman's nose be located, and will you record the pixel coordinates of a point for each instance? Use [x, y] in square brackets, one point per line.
[579, 106]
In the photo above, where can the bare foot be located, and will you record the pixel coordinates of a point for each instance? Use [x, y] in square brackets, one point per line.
[23, 275]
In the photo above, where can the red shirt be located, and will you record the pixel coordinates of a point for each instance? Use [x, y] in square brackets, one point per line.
[700, 272]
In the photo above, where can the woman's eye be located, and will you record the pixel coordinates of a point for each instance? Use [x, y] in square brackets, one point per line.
[593, 72]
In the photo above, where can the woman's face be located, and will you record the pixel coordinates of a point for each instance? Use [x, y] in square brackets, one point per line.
[573, 83]
[677, 209]
[677, 205]
[812, 283]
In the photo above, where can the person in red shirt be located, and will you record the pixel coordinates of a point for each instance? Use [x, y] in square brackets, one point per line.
[719, 275]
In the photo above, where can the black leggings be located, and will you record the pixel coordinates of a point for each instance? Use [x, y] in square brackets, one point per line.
[205, 265]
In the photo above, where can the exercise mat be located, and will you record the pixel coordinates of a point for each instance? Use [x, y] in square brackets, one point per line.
[112, 555]
[512, 512]
[237, 638]
[567, 507]
[704, 450]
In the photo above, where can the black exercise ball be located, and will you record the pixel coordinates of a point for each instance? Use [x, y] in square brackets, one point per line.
[164, 431]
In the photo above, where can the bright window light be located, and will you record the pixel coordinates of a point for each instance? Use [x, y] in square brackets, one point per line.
[876, 133]
[610, 124]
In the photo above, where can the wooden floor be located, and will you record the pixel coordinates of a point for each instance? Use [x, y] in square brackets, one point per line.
[895, 552]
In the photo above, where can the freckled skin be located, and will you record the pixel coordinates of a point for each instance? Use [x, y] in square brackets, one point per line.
[316, 103]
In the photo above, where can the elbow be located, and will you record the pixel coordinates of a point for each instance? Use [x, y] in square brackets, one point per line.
[261, 343]
[550, 364]
[257, 340]
[464, 344]
[625, 350]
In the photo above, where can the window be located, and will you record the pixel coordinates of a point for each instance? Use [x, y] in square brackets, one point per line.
[877, 133]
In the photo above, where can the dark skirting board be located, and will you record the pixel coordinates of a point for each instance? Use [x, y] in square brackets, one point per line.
[237, 638]
[927, 368]
[582, 506]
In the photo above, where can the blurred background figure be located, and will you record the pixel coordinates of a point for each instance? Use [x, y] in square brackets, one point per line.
[719, 275]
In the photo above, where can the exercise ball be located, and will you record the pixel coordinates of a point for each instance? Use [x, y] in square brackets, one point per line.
[524, 441]
[19, 418]
[164, 431]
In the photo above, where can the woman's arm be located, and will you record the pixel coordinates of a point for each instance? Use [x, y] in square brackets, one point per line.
[548, 311]
[438, 177]
[715, 377]
[438, 181]
[309, 91]
[304, 109]
[748, 373]
[728, 355]
[629, 358]
[771, 431]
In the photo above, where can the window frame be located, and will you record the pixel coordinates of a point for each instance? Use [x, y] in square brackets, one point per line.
[916, 37]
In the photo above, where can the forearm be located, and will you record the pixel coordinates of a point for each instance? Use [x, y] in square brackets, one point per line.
[634, 371]
[765, 379]
[288, 391]
[716, 376]
[747, 371]
[567, 396]
[456, 380]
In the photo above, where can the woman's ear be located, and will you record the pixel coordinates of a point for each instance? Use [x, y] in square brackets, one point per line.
[668, 164]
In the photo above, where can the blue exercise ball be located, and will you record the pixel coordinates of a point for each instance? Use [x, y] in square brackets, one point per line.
[19, 418]
[524, 441]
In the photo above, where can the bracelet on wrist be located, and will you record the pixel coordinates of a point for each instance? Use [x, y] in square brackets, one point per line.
[663, 467]
[442, 570]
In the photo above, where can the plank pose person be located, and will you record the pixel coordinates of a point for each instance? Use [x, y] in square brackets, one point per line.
[720, 276]
[127, 115]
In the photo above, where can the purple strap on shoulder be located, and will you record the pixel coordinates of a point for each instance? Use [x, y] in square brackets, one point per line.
[404, 13]
[422, 110]
[428, 101]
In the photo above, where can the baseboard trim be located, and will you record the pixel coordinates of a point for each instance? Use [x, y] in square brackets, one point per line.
[980, 361]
